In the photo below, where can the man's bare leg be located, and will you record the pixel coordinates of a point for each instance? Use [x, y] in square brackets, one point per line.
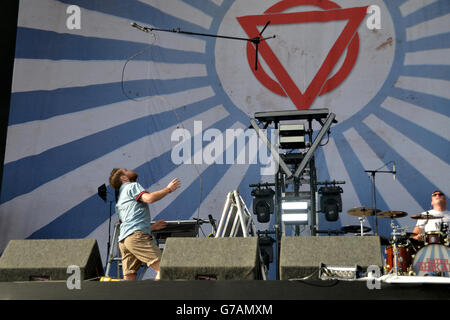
[131, 276]
[155, 266]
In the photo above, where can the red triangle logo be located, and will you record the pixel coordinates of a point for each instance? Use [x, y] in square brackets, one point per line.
[284, 85]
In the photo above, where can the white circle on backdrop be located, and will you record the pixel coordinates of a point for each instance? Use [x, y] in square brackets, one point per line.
[302, 52]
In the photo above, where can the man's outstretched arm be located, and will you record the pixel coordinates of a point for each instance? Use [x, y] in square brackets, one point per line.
[158, 195]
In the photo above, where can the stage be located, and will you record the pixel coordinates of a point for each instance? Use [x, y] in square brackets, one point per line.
[231, 290]
[328, 161]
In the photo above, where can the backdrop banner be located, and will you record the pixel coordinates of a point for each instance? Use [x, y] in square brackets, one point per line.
[91, 93]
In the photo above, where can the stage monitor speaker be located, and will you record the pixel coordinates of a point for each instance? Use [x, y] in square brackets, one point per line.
[234, 258]
[28, 260]
[301, 257]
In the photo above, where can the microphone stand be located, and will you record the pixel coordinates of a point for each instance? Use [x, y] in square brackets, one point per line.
[103, 194]
[109, 230]
[256, 41]
[374, 197]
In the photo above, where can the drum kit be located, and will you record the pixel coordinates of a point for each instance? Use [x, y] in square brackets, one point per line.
[405, 254]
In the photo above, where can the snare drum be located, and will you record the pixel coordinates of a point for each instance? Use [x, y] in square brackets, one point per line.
[432, 260]
[435, 237]
[404, 259]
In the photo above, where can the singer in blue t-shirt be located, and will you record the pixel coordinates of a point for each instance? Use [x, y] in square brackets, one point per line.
[135, 239]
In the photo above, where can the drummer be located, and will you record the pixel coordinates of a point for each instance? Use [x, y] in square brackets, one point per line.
[439, 204]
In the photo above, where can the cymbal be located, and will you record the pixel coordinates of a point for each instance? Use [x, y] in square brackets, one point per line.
[355, 229]
[392, 214]
[425, 216]
[362, 211]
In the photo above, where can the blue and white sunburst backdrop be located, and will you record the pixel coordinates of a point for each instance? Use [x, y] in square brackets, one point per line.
[91, 93]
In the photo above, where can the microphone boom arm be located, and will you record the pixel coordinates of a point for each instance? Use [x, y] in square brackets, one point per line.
[255, 40]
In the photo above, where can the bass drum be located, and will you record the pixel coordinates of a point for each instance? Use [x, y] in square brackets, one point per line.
[432, 260]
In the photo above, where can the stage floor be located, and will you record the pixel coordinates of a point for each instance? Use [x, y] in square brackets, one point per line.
[221, 290]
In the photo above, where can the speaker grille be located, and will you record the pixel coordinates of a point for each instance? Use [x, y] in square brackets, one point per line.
[49, 258]
[216, 258]
[301, 256]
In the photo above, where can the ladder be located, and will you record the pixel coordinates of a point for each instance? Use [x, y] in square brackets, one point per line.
[236, 221]
[114, 255]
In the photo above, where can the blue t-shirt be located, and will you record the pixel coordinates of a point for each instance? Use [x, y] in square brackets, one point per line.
[134, 214]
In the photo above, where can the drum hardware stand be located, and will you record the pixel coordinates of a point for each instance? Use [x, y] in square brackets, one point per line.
[256, 40]
[374, 197]
[445, 231]
[394, 234]
[361, 222]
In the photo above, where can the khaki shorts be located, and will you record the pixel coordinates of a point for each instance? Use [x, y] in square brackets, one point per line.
[136, 249]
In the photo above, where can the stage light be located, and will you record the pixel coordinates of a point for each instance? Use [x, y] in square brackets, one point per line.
[294, 211]
[263, 204]
[294, 205]
[101, 191]
[266, 247]
[331, 202]
[292, 136]
[294, 218]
